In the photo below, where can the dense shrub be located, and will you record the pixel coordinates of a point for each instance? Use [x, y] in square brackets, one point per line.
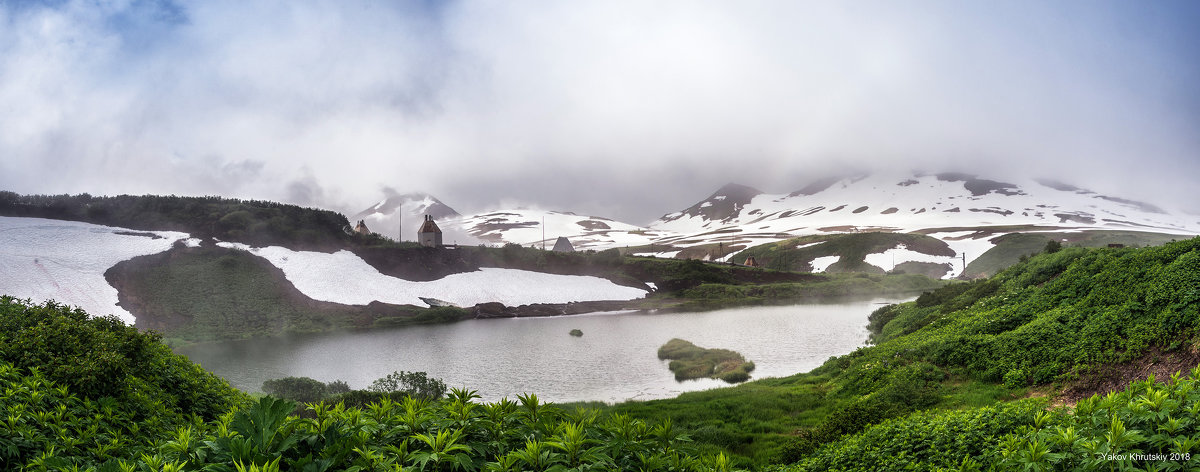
[259, 223]
[1146, 426]
[929, 440]
[80, 389]
[101, 357]
[299, 389]
[417, 384]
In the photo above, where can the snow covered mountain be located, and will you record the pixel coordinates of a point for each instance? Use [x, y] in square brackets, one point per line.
[924, 202]
[390, 216]
[965, 211]
[525, 227]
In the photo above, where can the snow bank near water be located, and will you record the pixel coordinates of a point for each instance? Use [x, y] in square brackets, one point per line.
[65, 261]
[343, 277]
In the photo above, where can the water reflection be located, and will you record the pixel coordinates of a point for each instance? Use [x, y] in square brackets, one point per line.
[614, 360]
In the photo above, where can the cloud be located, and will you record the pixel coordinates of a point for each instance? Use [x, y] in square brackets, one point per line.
[626, 109]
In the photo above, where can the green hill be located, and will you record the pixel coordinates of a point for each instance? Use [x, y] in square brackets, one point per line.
[1042, 326]
[95, 395]
[946, 386]
[254, 222]
[797, 254]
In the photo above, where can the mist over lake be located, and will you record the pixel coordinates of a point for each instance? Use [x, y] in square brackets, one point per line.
[615, 359]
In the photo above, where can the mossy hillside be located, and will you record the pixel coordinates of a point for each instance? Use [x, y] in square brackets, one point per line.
[853, 249]
[827, 287]
[213, 293]
[1148, 422]
[90, 389]
[689, 361]
[1010, 248]
[254, 222]
[210, 293]
[1040, 323]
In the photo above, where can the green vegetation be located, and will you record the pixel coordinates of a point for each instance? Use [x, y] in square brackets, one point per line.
[213, 293]
[1147, 425]
[103, 397]
[576, 332]
[258, 223]
[82, 389]
[853, 249]
[416, 384]
[209, 293]
[1043, 323]
[832, 286]
[304, 389]
[933, 392]
[689, 361]
[1010, 248]
[928, 440]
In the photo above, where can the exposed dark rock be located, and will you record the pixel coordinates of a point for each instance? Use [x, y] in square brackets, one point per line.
[726, 203]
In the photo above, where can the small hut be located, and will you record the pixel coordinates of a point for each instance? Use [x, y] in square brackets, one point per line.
[563, 245]
[750, 262]
[361, 228]
[429, 235]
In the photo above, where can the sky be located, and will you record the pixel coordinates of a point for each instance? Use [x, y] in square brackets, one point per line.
[626, 109]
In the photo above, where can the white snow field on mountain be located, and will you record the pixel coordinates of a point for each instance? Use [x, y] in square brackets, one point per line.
[65, 261]
[964, 211]
[343, 277]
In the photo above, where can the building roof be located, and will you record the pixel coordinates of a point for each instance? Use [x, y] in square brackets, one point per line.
[429, 226]
[563, 245]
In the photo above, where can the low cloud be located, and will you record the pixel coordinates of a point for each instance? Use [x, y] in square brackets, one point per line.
[624, 109]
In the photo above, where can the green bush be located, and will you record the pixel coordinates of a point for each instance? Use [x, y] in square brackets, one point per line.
[689, 361]
[101, 357]
[930, 440]
[1146, 426]
[417, 384]
[299, 389]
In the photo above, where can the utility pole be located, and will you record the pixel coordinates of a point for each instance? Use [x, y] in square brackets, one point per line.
[543, 232]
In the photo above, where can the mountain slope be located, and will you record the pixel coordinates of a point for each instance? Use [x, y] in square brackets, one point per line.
[535, 227]
[1053, 318]
[964, 211]
[397, 210]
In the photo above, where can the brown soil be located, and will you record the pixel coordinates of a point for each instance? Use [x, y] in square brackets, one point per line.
[1115, 377]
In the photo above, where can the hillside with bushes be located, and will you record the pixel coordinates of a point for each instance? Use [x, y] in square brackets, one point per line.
[254, 222]
[91, 394]
[963, 378]
[1057, 324]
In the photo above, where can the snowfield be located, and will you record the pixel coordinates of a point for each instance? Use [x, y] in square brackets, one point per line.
[65, 261]
[889, 259]
[525, 227]
[343, 277]
[819, 264]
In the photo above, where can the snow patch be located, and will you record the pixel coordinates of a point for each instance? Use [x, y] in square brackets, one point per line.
[822, 263]
[890, 258]
[65, 261]
[343, 277]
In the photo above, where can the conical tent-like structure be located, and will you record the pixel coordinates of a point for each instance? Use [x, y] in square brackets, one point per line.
[563, 245]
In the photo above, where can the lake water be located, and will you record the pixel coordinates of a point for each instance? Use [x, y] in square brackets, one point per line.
[615, 359]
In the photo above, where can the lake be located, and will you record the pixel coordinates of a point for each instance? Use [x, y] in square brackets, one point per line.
[615, 359]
